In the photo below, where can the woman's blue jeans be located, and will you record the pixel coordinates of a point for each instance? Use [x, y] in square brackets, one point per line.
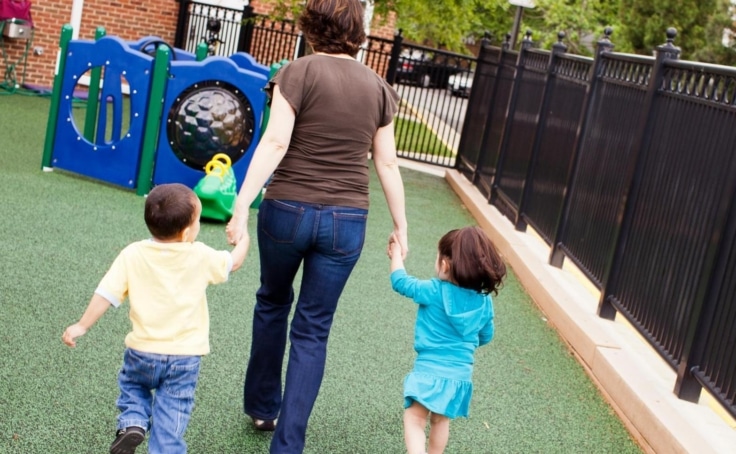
[158, 388]
[328, 241]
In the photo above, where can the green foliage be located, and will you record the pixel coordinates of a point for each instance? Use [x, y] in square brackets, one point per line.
[448, 24]
[582, 22]
[699, 24]
[639, 25]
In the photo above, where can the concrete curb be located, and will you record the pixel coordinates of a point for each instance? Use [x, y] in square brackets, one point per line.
[633, 378]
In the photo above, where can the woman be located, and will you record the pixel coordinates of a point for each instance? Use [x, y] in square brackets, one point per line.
[327, 112]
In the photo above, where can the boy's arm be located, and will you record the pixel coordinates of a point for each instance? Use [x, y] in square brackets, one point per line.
[240, 251]
[97, 306]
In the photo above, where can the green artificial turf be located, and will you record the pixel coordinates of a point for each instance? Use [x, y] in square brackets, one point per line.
[60, 233]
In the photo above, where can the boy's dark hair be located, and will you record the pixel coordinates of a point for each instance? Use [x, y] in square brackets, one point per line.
[474, 261]
[170, 208]
[333, 26]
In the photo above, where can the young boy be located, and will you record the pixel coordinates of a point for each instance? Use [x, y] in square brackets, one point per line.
[165, 279]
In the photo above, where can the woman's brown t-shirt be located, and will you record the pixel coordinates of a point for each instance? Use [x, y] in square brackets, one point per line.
[339, 105]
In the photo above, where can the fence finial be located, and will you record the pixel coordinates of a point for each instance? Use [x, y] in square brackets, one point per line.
[607, 32]
[605, 44]
[668, 50]
[559, 46]
[671, 34]
[506, 41]
[486, 40]
[527, 42]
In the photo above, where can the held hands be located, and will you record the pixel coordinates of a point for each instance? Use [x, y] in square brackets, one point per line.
[72, 333]
[236, 228]
[396, 252]
[393, 248]
[400, 237]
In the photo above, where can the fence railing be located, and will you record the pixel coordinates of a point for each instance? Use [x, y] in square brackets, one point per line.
[624, 165]
[218, 26]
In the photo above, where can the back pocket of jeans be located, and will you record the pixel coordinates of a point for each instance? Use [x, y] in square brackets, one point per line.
[349, 232]
[280, 220]
[182, 376]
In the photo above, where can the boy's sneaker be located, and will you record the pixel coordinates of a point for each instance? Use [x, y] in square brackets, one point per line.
[126, 440]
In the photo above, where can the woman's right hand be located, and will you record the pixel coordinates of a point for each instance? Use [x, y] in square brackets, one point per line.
[401, 237]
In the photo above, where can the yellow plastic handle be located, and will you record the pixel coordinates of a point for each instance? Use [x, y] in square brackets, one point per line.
[223, 158]
[217, 168]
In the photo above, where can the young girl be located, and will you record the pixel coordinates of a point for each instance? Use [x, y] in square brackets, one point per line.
[455, 316]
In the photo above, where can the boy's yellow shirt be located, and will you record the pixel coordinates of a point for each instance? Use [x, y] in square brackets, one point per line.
[166, 285]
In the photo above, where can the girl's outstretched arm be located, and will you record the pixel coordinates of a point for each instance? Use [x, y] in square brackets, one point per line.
[395, 253]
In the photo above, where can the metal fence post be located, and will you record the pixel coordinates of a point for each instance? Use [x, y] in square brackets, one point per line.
[604, 45]
[557, 48]
[301, 47]
[245, 39]
[393, 62]
[510, 109]
[667, 51]
[484, 44]
[181, 24]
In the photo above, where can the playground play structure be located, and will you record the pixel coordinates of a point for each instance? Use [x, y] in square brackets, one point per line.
[154, 114]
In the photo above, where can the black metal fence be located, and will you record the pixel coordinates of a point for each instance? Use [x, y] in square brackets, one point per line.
[219, 27]
[624, 164]
[430, 118]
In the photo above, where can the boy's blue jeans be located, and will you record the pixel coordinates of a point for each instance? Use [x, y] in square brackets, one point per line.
[327, 241]
[158, 388]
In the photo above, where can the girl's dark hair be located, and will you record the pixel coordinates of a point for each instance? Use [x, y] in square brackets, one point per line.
[333, 26]
[474, 261]
[170, 208]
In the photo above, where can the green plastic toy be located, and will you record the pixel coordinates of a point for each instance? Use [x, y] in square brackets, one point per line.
[217, 189]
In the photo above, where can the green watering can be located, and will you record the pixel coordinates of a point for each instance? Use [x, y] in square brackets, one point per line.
[217, 189]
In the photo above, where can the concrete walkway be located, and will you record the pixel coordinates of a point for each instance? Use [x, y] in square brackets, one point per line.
[631, 376]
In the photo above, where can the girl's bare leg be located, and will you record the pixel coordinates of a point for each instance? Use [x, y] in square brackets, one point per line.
[415, 423]
[439, 433]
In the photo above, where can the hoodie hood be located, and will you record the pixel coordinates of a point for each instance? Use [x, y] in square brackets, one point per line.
[466, 309]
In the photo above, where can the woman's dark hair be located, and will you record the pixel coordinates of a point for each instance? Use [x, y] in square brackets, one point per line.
[474, 262]
[170, 208]
[333, 26]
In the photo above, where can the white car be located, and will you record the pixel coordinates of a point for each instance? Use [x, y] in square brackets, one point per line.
[460, 84]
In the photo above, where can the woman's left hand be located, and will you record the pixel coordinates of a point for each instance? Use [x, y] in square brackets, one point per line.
[235, 228]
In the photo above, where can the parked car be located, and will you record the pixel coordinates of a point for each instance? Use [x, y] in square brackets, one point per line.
[419, 68]
[460, 84]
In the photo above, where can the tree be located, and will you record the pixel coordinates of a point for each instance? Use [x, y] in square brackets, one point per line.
[582, 22]
[449, 23]
[639, 25]
[699, 23]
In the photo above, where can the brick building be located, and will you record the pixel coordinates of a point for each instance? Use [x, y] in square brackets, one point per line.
[128, 19]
